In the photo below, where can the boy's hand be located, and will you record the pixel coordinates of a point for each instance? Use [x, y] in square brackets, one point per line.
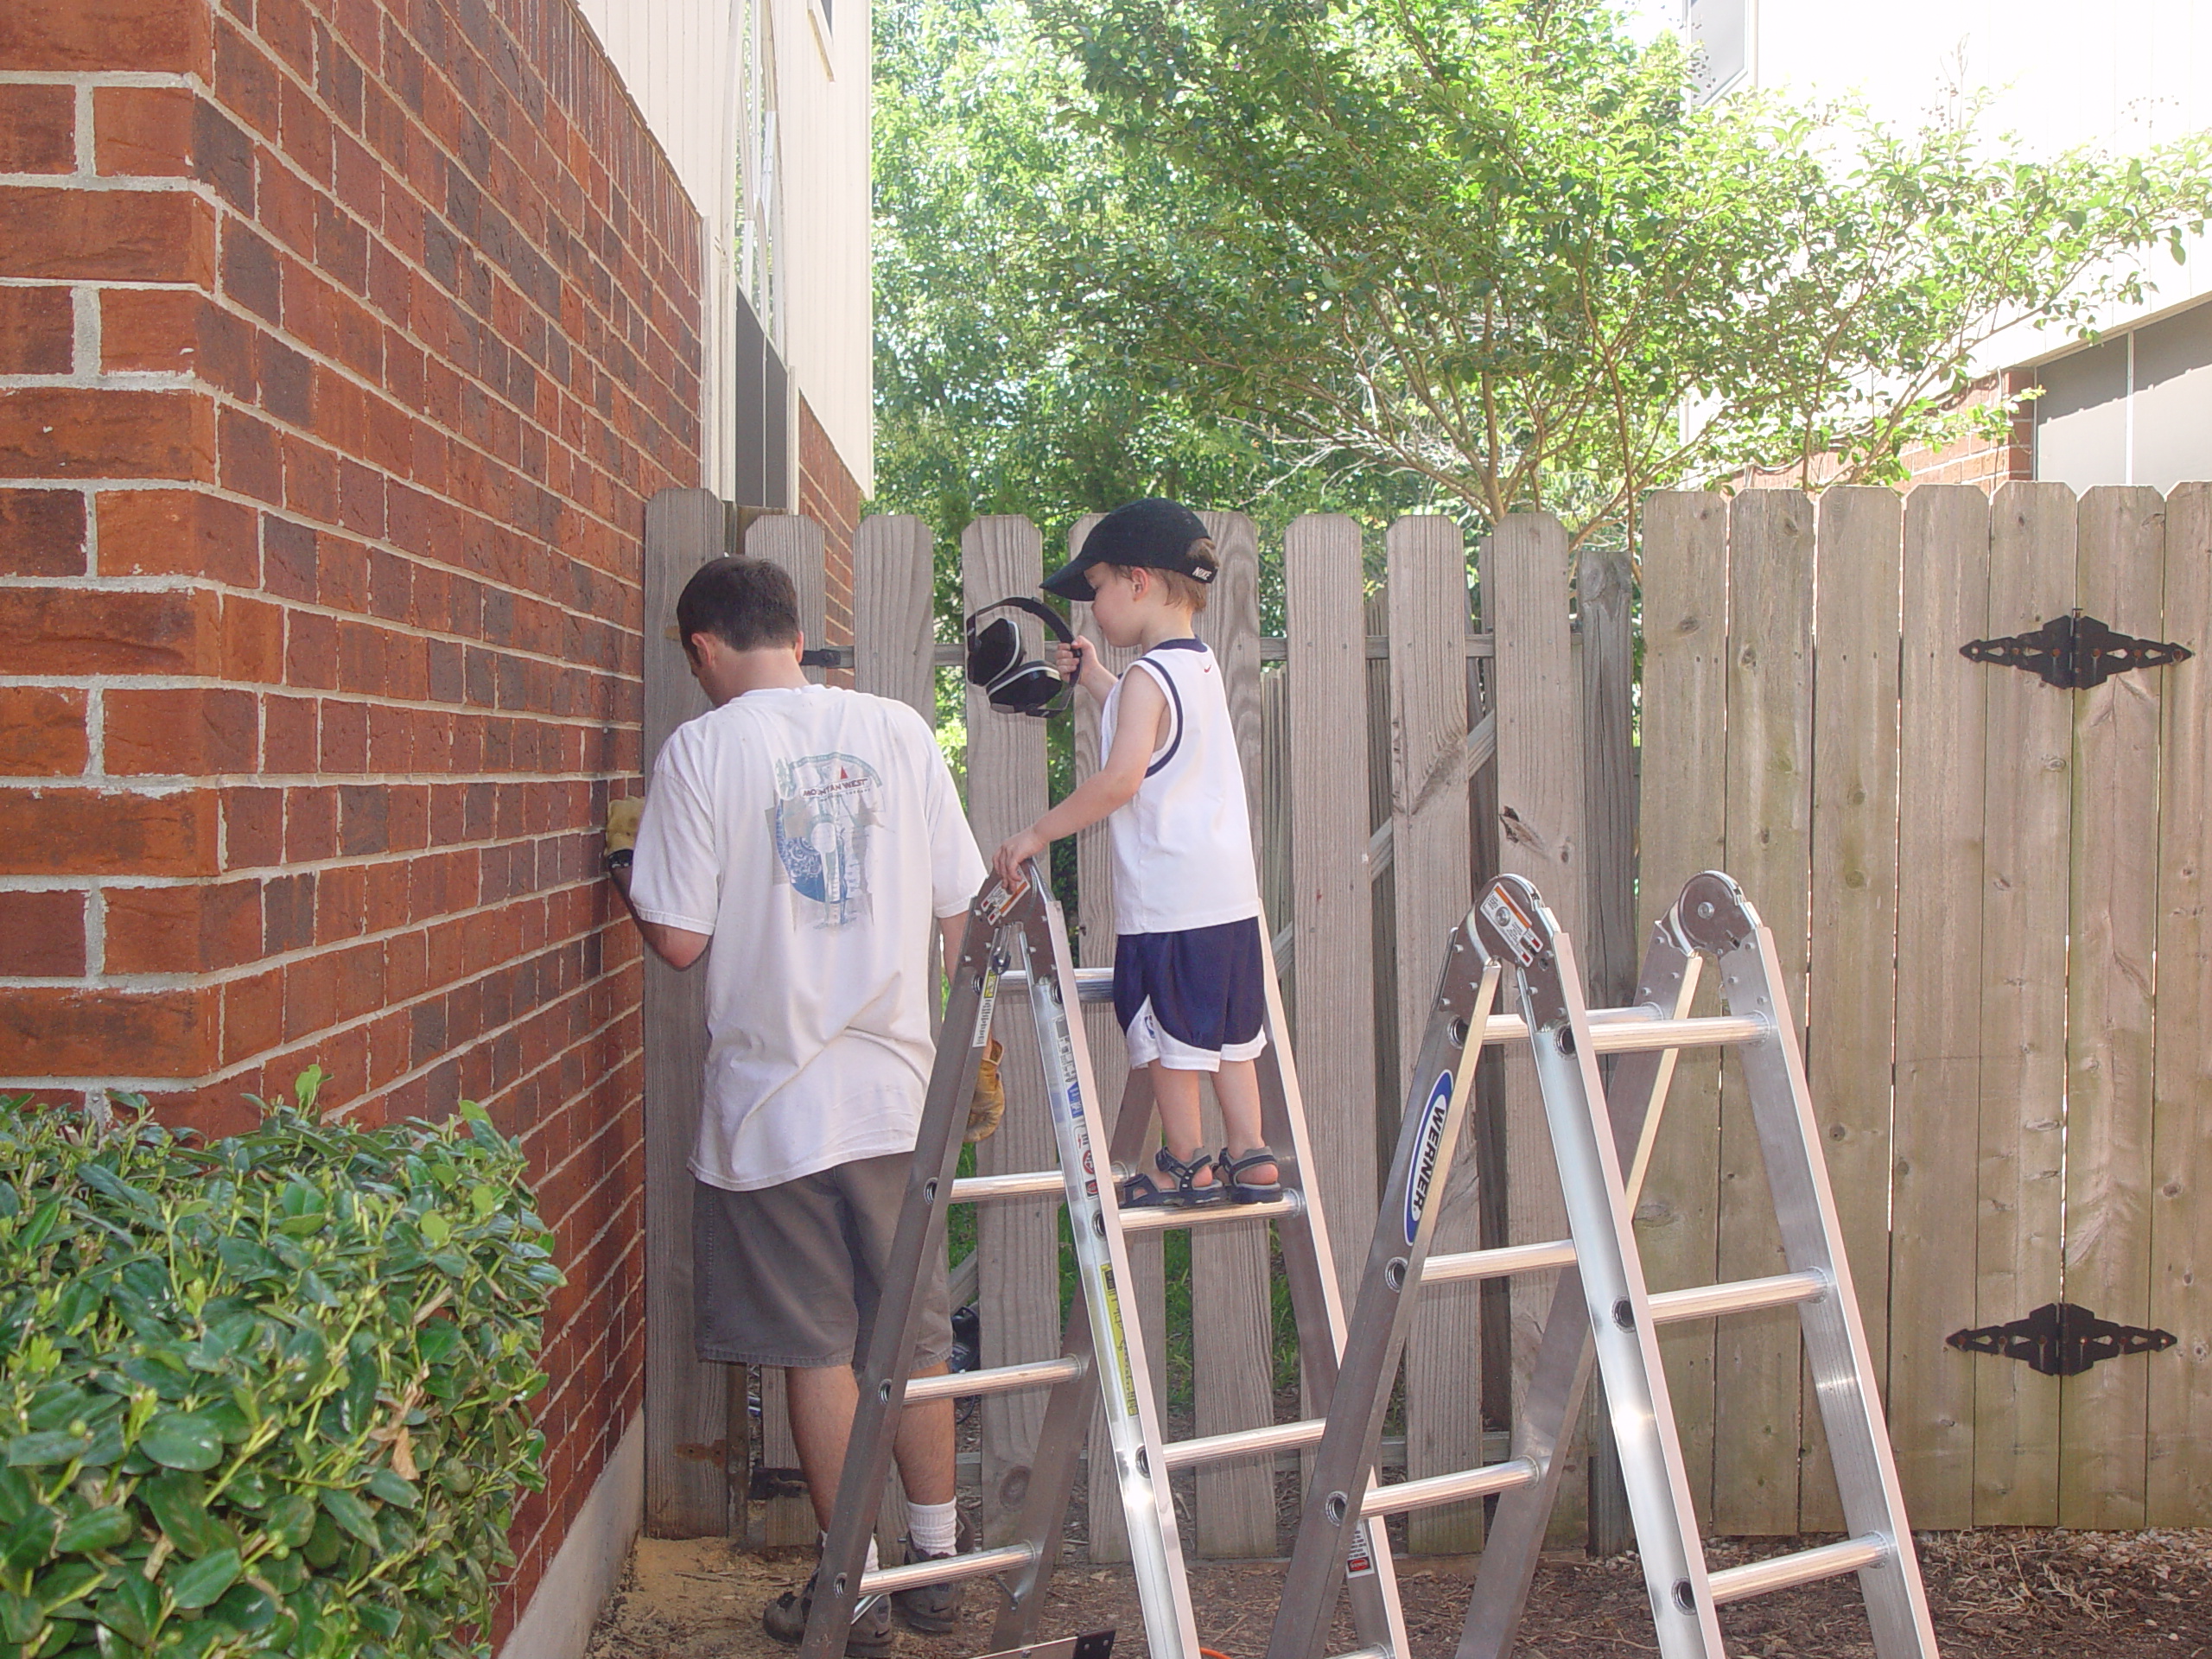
[1015, 851]
[1071, 660]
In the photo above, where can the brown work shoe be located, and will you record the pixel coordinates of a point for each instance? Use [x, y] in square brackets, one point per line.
[784, 1618]
[934, 1609]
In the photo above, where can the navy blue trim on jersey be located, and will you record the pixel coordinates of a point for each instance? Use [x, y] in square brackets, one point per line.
[1174, 706]
[1205, 984]
[1178, 645]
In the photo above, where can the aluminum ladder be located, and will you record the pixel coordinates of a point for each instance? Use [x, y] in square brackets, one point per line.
[1602, 1142]
[1016, 944]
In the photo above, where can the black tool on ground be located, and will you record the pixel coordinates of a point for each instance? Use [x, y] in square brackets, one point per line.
[1015, 682]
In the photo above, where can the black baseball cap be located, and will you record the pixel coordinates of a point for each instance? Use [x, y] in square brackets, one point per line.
[1154, 533]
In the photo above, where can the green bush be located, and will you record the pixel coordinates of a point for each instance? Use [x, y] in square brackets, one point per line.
[264, 1396]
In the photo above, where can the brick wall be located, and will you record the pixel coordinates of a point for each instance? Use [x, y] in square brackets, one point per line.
[1976, 460]
[341, 342]
[830, 495]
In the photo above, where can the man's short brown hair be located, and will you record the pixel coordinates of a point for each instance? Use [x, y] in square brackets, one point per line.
[745, 603]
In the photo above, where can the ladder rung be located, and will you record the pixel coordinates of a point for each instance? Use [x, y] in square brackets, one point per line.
[1243, 1443]
[946, 1569]
[1091, 984]
[1155, 1218]
[1366, 1653]
[1629, 1031]
[999, 1379]
[1447, 1489]
[1806, 1566]
[1498, 1263]
[1703, 1301]
[994, 1189]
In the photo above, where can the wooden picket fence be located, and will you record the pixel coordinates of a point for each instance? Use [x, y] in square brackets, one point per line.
[1970, 874]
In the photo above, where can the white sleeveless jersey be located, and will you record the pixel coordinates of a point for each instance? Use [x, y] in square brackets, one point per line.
[1183, 845]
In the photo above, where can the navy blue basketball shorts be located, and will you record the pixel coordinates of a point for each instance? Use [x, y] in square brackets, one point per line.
[1193, 999]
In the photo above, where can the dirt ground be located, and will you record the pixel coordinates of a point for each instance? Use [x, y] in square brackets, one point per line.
[1997, 1595]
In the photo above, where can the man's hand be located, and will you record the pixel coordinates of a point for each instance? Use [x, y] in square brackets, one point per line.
[987, 1104]
[1015, 851]
[622, 817]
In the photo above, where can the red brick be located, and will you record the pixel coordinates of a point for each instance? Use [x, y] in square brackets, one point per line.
[191, 731]
[151, 328]
[77, 35]
[76, 432]
[252, 463]
[106, 1033]
[37, 331]
[253, 1015]
[94, 631]
[41, 731]
[42, 533]
[254, 822]
[38, 128]
[253, 640]
[132, 236]
[195, 928]
[42, 934]
[143, 131]
[177, 533]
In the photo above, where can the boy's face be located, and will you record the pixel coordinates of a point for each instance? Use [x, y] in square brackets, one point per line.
[1123, 601]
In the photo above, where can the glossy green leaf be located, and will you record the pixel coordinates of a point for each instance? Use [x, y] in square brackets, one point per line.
[354, 1516]
[182, 1440]
[178, 1502]
[291, 1521]
[388, 1485]
[47, 1446]
[100, 1529]
[198, 1583]
[129, 1609]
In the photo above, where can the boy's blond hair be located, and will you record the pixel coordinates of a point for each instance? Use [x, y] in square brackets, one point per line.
[1185, 590]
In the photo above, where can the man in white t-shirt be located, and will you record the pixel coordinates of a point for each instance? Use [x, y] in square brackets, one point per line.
[814, 836]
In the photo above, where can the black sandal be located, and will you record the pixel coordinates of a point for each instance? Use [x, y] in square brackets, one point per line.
[1141, 1192]
[1231, 1171]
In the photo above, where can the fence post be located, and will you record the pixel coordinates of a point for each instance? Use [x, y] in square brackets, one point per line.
[1539, 808]
[1019, 1303]
[1427, 610]
[894, 632]
[689, 1461]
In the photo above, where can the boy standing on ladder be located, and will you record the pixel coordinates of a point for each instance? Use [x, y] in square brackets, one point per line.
[1188, 986]
[814, 835]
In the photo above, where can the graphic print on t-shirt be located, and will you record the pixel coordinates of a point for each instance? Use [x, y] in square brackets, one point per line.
[825, 806]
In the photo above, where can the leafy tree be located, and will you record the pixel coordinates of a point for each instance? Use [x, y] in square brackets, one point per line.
[1493, 245]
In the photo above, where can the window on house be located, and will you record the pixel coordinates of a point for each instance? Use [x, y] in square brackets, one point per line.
[2134, 409]
[1719, 41]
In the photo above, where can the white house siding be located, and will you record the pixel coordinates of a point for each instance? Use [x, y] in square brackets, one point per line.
[685, 63]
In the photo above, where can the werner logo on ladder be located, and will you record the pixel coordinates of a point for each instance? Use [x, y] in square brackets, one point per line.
[1602, 1147]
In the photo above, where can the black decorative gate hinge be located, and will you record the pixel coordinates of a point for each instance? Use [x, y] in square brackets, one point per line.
[2059, 1339]
[2075, 652]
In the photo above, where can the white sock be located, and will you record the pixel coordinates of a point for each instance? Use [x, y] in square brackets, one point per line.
[935, 1528]
[823, 1543]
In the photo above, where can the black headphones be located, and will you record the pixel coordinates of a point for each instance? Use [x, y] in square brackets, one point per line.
[1014, 680]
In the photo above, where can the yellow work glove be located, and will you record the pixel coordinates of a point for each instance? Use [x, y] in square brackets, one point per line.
[987, 1104]
[622, 824]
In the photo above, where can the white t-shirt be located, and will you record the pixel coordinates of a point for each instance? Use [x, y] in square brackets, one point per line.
[1183, 844]
[815, 834]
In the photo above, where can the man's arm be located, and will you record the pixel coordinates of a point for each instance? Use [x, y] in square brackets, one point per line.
[679, 947]
[953, 931]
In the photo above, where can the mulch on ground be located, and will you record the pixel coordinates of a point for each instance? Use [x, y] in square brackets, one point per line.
[1996, 1594]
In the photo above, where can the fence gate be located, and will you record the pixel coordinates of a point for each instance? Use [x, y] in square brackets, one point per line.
[1986, 868]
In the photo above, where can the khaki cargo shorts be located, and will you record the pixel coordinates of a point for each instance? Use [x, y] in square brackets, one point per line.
[791, 1275]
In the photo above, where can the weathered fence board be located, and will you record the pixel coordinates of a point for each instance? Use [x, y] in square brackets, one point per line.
[687, 1411]
[1428, 609]
[1019, 1304]
[1333, 943]
[1769, 852]
[1539, 814]
[1939, 941]
[2121, 576]
[2028, 798]
[893, 627]
[1854, 887]
[1682, 830]
[2179, 1451]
